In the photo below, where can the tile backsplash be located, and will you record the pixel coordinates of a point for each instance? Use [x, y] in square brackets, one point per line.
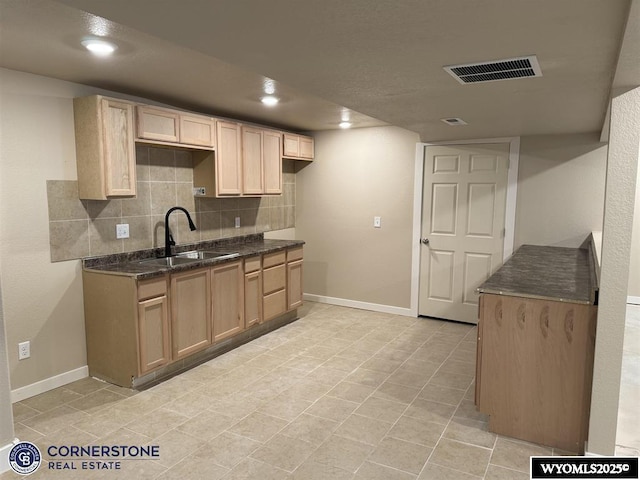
[82, 228]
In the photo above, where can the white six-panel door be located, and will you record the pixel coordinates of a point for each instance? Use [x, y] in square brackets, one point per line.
[463, 215]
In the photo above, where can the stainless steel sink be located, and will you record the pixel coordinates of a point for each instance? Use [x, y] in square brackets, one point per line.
[205, 254]
[187, 257]
[168, 261]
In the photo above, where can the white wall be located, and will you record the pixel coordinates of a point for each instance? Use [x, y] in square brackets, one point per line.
[42, 300]
[560, 189]
[358, 174]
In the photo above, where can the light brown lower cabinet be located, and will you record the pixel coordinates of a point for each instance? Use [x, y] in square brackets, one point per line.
[294, 278]
[227, 300]
[252, 291]
[534, 369]
[190, 311]
[127, 326]
[153, 325]
[136, 327]
[274, 284]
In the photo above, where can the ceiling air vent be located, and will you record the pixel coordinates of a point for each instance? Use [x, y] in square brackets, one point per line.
[453, 121]
[507, 69]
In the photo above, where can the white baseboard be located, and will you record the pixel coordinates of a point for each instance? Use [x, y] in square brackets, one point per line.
[4, 456]
[374, 307]
[49, 384]
[633, 300]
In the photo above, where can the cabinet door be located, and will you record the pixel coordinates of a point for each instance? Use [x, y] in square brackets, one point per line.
[118, 148]
[197, 130]
[252, 298]
[190, 312]
[153, 334]
[291, 145]
[306, 147]
[272, 162]
[294, 284]
[227, 284]
[252, 161]
[158, 124]
[228, 160]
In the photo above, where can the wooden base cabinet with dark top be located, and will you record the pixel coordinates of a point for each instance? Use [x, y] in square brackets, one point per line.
[137, 327]
[534, 368]
[127, 326]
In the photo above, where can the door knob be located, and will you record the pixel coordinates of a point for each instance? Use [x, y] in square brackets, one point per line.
[425, 241]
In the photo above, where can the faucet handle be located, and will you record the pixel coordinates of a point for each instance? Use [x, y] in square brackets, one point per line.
[171, 240]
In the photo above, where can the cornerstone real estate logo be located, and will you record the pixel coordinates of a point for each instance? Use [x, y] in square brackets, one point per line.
[24, 458]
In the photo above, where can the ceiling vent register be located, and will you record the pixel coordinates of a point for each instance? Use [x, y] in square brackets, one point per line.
[507, 69]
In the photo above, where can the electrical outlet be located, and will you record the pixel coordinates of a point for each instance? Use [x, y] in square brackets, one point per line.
[24, 350]
[122, 230]
[237, 222]
[377, 222]
[199, 191]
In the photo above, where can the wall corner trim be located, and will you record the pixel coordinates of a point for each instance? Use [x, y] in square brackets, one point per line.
[4, 456]
[344, 302]
[49, 384]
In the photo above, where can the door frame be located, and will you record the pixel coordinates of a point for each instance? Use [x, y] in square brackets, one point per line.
[510, 208]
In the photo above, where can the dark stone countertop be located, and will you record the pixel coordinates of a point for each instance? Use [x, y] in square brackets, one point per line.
[548, 273]
[128, 264]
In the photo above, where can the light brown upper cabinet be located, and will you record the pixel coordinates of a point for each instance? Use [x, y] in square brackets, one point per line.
[252, 165]
[228, 160]
[105, 149]
[171, 127]
[261, 161]
[272, 162]
[298, 147]
[197, 130]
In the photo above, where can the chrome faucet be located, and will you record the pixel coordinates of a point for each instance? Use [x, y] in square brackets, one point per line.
[168, 239]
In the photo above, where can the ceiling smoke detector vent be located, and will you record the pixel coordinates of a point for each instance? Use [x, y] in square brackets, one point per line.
[453, 121]
[507, 69]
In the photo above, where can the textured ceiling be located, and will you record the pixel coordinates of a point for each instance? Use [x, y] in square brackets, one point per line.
[380, 58]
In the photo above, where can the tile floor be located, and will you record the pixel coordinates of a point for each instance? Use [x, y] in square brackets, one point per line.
[339, 394]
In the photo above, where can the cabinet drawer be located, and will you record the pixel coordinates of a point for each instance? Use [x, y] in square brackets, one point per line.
[274, 278]
[294, 254]
[274, 304]
[275, 258]
[152, 288]
[252, 264]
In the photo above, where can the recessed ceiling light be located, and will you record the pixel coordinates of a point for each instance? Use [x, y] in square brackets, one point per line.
[344, 124]
[269, 86]
[99, 47]
[269, 100]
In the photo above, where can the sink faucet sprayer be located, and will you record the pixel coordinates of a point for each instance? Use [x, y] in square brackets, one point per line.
[168, 239]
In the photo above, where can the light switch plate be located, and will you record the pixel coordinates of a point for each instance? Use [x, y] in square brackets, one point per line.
[377, 222]
[237, 222]
[122, 230]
